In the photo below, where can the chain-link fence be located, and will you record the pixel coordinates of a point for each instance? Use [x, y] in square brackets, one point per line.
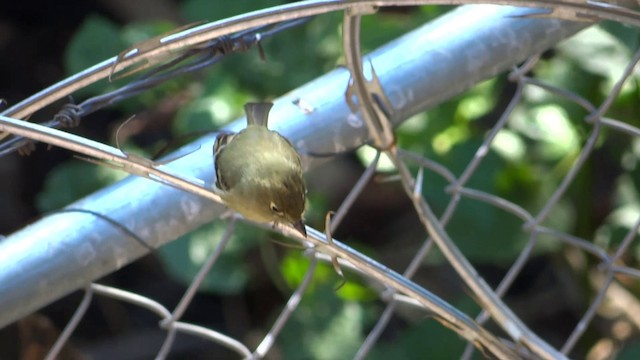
[359, 104]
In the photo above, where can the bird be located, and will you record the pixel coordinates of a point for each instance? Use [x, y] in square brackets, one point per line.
[259, 172]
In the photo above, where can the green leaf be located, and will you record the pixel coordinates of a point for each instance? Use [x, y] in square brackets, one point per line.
[323, 327]
[73, 180]
[96, 40]
[294, 268]
[629, 352]
[596, 51]
[426, 340]
[628, 36]
[137, 32]
[185, 256]
[390, 23]
[220, 102]
[293, 56]
[483, 232]
[196, 10]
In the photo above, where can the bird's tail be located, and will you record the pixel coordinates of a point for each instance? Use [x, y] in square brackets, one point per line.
[257, 113]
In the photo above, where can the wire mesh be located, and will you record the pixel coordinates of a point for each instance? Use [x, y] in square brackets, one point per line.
[379, 94]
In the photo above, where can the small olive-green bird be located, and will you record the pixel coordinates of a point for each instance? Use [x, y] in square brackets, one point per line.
[259, 173]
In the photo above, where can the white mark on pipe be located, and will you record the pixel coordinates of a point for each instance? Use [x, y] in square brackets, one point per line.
[354, 121]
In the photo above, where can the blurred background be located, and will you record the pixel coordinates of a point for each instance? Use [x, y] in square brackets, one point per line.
[43, 42]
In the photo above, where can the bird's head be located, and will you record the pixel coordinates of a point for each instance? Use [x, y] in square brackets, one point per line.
[286, 201]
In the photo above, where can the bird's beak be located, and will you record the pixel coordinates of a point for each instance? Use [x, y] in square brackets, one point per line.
[299, 225]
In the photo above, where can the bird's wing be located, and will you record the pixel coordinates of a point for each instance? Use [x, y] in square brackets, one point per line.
[218, 148]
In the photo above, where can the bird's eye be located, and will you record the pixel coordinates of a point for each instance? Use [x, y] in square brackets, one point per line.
[275, 209]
